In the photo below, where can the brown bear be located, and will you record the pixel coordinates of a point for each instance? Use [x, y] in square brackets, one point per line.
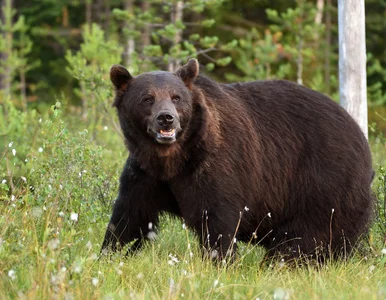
[266, 161]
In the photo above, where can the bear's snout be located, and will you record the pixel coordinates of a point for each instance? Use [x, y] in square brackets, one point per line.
[165, 119]
[164, 127]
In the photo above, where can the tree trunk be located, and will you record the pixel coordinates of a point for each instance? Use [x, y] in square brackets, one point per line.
[145, 35]
[319, 11]
[299, 60]
[327, 51]
[130, 42]
[89, 13]
[23, 88]
[176, 16]
[107, 18]
[352, 60]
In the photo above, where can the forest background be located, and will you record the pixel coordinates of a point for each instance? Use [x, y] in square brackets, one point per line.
[62, 151]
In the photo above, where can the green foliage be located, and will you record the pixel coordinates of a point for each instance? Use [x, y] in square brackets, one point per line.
[168, 47]
[53, 217]
[90, 66]
[258, 57]
[376, 95]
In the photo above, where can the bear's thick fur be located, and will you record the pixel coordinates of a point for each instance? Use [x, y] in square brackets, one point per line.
[265, 161]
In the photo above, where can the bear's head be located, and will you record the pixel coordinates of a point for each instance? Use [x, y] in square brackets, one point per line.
[156, 105]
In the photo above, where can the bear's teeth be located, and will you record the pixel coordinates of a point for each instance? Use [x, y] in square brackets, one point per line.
[167, 132]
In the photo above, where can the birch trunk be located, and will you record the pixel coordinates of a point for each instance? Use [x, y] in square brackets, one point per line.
[352, 60]
[327, 51]
[319, 11]
[130, 43]
[176, 16]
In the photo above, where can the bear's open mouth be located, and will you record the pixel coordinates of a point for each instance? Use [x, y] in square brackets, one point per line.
[166, 136]
[167, 133]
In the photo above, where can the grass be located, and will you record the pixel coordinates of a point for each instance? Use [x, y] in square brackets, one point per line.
[54, 213]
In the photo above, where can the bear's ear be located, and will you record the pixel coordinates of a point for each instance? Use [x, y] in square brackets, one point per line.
[189, 72]
[120, 77]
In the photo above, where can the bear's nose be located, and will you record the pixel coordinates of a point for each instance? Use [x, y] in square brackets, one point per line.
[165, 119]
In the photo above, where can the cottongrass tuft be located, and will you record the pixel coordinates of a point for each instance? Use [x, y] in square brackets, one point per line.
[74, 217]
[94, 281]
[215, 283]
[12, 274]
[173, 260]
[281, 294]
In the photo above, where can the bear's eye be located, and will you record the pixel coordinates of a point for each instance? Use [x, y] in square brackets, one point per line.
[176, 98]
[148, 100]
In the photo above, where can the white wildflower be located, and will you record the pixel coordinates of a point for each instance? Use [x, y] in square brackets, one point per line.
[77, 268]
[150, 225]
[13, 197]
[269, 215]
[14, 152]
[4, 181]
[40, 150]
[383, 251]
[23, 178]
[89, 245]
[105, 128]
[12, 274]
[53, 244]
[95, 281]
[246, 208]
[10, 144]
[151, 235]
[215, 283]
[74, 217]
[281, 294]
[140, 275]
[173, 260]
[183, 226]
[61, 214]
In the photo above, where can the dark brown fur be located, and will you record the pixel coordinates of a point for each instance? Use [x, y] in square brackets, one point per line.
[268, 161]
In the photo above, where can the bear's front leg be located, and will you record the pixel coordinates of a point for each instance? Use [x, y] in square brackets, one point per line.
[135, 213]
[218, 234]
